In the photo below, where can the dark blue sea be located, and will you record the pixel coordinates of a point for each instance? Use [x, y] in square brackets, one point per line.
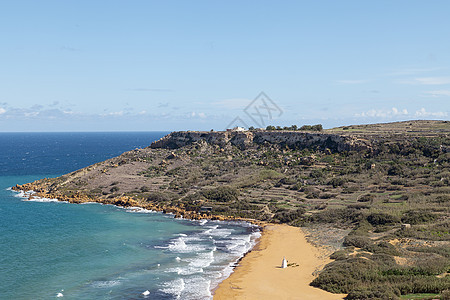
[91, 251]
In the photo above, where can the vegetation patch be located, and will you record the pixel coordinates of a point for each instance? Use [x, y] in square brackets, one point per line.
[221, 194]
[386, 186]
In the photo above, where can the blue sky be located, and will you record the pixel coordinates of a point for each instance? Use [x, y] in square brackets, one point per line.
[176, 65]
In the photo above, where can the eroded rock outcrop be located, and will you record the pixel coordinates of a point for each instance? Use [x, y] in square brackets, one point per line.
[246, 139]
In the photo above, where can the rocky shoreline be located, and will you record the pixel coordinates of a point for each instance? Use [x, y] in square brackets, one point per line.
[367, 199]
[123, 201]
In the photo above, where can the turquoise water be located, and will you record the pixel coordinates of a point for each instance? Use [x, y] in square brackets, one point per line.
[59, 250]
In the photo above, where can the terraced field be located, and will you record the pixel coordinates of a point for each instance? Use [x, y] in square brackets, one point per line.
[382, 208]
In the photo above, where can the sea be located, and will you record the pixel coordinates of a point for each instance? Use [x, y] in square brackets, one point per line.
[51, 249]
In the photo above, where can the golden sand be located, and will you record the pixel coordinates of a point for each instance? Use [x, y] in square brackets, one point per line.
[259, 275]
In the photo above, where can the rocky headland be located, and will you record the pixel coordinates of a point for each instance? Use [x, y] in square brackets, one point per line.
[377, 196]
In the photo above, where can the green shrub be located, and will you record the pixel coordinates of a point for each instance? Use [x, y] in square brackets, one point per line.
[350, 190]
[339, 255]
[442, 199]
[384, 261]
[337, 215]
[437, 232]
[316, 173]
[382, 219]
[327, 195]
[418, 217]
[288, 180]
[317, 127]
[297, 186]
[441, 250]
[159, 197]
[144, 189]
[114, 189]
[337, 181]
[287, 216]
[433, 265]
[358, 206]
[384, 292]
[362, 228]
[221, 194]
[343, 276]
[383, 248]
[357, 241]
[395, 170]
[362, 278]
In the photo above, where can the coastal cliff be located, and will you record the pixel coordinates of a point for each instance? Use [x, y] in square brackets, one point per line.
[248, 139]
[376, 194]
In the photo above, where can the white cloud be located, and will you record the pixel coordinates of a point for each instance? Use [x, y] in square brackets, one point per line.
[31, 114]
[351, 81]
[413, 71]
[2, 110]
[423, 113]
[434, 80]
[438, 93]
[115, 113]
[383, 113]
[427, 81]
[200, 115]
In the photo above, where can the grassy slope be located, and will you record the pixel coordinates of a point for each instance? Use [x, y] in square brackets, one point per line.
[365, 195]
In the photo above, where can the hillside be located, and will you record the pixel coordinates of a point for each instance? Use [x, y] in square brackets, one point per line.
[376, 194]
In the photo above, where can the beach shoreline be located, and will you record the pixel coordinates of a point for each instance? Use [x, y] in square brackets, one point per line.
[258, 275]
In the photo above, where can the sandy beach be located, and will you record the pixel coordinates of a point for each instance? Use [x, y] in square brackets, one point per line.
[259, 276]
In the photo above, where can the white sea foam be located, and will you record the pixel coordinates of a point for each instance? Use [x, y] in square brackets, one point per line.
[22, 194]
[216, 251]
[196, 287]
[202, 260]
[134, 209]
[180, 245]
[105, 284]
[26, 197]
[239, 244]
[185, 244]
[185, 270]
[239, 251]
[215, 231]
[39, 199]
[195, 264]
[174, 287]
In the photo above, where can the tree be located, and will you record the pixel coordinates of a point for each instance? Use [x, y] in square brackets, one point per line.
[305, 127]
[317, 127]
